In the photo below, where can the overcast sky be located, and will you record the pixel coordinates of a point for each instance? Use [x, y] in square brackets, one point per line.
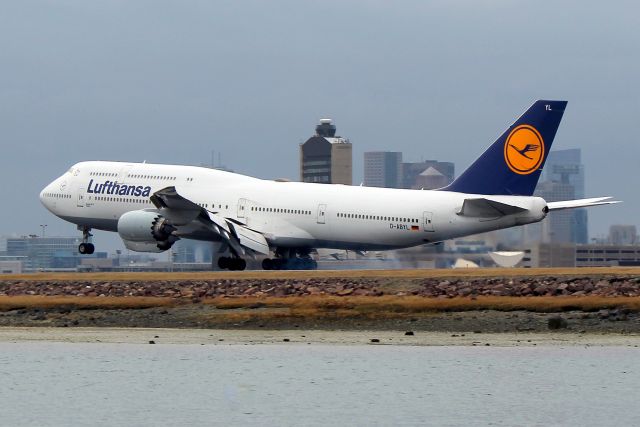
[170, 81]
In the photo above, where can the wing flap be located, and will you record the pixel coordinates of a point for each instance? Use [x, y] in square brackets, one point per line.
[251, 239]
[487, 208]
[181, 211]
[581, 203]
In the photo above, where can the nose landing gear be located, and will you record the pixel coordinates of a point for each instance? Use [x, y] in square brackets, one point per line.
[86, 248]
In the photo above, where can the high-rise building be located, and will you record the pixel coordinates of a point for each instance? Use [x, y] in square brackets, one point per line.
[429, 174]
[562, 179]
[383, 169]
[325, 157]
[565, 166]
[558, 226]
[565, 171]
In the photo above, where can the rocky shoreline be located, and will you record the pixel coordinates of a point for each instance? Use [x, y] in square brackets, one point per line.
[189, 305]
[601, 285]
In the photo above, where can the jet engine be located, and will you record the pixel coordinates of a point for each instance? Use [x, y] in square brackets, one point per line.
[146, 230]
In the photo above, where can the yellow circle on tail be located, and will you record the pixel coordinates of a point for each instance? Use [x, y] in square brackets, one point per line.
[524, 150]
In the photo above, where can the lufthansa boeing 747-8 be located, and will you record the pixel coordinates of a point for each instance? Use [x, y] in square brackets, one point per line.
[151, 206]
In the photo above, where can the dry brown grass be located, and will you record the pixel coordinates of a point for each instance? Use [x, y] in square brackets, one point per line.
[47, 302]
[321, 274]
[319, 307]
[416, 304]
[323, 308]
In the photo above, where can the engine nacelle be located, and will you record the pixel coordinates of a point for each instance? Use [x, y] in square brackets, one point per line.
[142, 246]
[146, 229]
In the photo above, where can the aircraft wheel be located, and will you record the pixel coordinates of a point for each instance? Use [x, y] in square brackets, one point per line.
[241, 264]
[277, 264]
[267, 264]
[223, 263]
[86, 248]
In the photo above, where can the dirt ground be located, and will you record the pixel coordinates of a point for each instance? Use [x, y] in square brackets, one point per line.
[209, 317]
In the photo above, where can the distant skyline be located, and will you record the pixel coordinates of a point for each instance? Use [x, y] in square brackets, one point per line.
[168, 82]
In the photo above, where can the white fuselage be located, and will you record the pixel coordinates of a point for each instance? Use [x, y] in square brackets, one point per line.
[289, 214]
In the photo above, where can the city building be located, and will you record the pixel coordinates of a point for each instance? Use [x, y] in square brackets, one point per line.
[565, 169]
[558, 226]
[11, 265]
[383, 169]
[428, 175]
[571, 255]
[325, 157]
[623, 235]
[562, 179]
[47, 253]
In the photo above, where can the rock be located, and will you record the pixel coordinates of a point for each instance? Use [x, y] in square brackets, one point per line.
[286, 340]
[375, 340]
[152, 342]
[604, 314]
[540, 290]
[557, 322]
[464, 292]
[409, 333]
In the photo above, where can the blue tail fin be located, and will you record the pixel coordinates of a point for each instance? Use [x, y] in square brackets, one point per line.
[512, 164]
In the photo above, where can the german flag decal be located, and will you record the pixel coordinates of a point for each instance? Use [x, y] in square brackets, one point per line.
[415, 228]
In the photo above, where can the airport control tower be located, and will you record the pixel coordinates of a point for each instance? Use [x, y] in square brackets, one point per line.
[326, 158]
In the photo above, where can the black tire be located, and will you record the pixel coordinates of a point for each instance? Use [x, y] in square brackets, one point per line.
[91, 248]
[223, 263]
[83, 249]
[267, 264]
[241, 264]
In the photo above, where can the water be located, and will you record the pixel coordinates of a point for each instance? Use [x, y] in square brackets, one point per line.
[61, 384]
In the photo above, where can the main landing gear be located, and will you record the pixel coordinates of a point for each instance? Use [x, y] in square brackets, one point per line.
[234, 264]
[290, 259]
[86, 248]
[289, 264]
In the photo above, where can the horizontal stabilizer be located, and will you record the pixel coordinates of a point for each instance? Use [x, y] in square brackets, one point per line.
[486, 208]
[581, 203]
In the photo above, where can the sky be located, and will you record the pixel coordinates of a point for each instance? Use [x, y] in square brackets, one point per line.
[172, 81]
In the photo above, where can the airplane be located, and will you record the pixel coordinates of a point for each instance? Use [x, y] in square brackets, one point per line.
[151, 206]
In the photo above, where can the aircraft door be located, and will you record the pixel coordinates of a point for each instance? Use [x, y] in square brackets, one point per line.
[427, 223]
[123, 174]
[242, 207]
[322, 213]
[80, 196]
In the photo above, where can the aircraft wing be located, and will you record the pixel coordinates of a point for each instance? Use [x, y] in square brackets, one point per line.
[182, 211]
[581, 203]
[487, 208]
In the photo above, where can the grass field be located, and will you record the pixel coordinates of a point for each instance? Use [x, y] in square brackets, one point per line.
[321, 274]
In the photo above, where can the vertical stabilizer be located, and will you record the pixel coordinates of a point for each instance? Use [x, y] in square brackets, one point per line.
[512, 165]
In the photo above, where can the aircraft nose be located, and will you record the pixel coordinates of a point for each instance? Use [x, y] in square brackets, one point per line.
[43, 195]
